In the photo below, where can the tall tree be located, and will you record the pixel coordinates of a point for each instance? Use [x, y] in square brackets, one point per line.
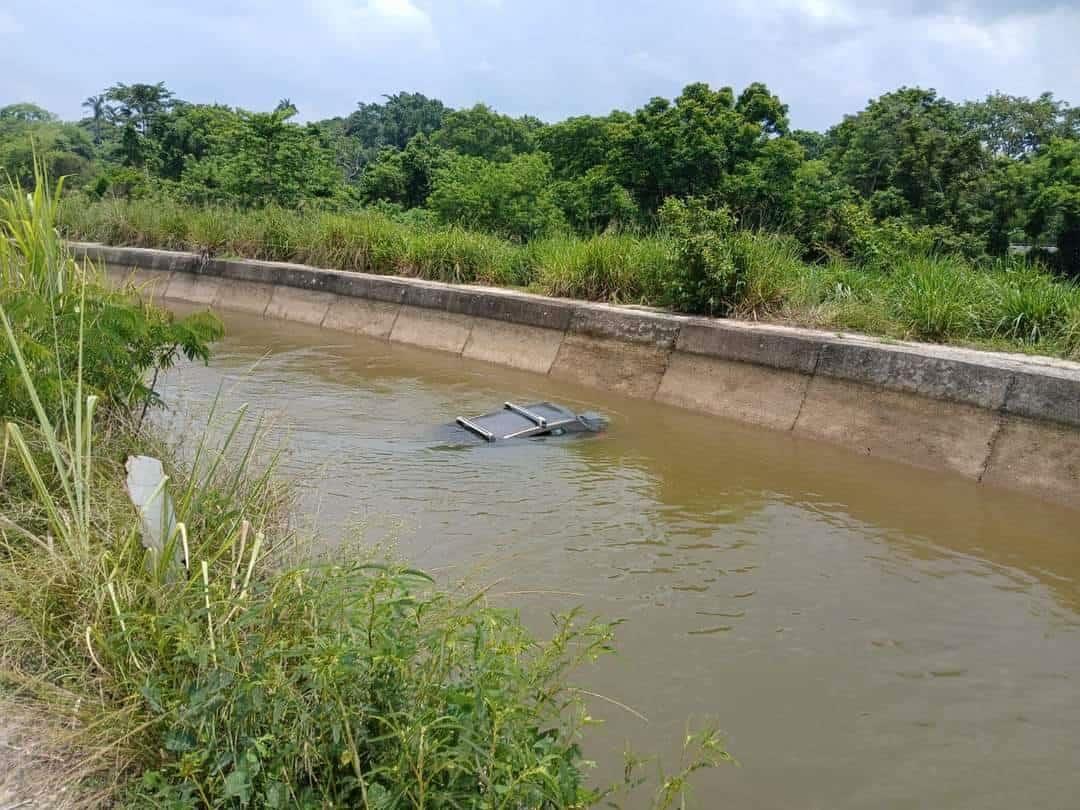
[96, 106]
[140, 103]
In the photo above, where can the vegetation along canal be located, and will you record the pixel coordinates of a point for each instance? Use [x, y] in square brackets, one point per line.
[867, 635]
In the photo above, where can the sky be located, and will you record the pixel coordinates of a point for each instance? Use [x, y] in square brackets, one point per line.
[549, 58]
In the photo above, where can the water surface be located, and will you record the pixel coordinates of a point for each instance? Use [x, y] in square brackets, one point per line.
[866, 634]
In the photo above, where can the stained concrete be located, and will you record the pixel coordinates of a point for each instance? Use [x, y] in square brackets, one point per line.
[1038, 457]
[634, 370]
[361, 317]
[511, 344]
[741, 391]
[432, 329]
[938, 407]
[305, 306]
[195, 288]
[245, 296]
[900, 427]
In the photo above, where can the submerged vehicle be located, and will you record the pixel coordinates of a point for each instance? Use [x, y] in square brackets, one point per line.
[531, 421]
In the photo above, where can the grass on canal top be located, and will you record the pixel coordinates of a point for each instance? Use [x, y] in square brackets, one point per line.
[1003, 304]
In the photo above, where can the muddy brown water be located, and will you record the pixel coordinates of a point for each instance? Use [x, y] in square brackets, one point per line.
[867, 635]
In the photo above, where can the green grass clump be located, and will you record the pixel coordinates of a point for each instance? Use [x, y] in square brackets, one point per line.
[609, 267]
[461, 257]
[937, 298]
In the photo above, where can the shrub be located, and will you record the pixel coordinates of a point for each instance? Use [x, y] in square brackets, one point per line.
[512, 199]
[706, 278]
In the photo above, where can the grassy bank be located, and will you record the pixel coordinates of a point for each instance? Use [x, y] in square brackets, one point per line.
[202, 660]
[696, 263]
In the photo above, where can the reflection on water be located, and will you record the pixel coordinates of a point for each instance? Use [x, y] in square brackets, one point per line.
[868, 635]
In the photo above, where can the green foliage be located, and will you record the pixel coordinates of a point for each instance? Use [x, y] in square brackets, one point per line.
[63, 314]
[1016, 127]
[513, 199]
[707, 277]
[262, 158]
[1054, 200]
[404, 176]
[595, 201]
[29, 133]
[935, 299]
[607, 267]
[395, 122]
[910, 154]
[481, 132]
[886, 278]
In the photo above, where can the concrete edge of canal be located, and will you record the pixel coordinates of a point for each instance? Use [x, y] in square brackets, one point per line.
[1006, 420]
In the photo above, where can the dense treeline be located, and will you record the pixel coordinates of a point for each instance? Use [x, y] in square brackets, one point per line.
[910, 170]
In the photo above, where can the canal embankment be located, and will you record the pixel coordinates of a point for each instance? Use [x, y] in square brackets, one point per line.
[1000, 419]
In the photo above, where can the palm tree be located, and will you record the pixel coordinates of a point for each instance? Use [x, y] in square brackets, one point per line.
[96, 105]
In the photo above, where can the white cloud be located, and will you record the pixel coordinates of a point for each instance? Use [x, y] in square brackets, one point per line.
[8, 23]
[374, 21]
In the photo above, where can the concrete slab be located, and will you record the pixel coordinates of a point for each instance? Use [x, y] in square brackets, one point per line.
[607, 322]
[632, 369]
[244, 296]
[194, 288]
[765, 345]
[361, 317]
[304, 306]
[761, 396]
[1038, 457]
[897, 426]
[510, 344]
[445, 331]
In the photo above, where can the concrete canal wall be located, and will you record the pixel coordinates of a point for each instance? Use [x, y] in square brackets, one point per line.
[1002, 419]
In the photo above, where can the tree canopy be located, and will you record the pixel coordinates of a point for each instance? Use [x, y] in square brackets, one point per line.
[976, 175]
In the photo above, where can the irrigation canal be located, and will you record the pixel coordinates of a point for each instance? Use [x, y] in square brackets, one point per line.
[868, 635]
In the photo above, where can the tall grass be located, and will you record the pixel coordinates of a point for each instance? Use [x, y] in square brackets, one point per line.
[914, 294]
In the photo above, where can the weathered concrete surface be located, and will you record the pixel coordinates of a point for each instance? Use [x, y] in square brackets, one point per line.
[432, 329]
[291, 304]
[245, 296]
[900, 427]
[151, 283]
[361, 317]
[1038, 457]
[741, 391]
[195, 288]
[938, 407]
[761, 344]
[630, 369]
[510, 344]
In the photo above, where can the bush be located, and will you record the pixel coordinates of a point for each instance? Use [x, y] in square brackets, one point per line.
[706, 277]
[513, 199]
